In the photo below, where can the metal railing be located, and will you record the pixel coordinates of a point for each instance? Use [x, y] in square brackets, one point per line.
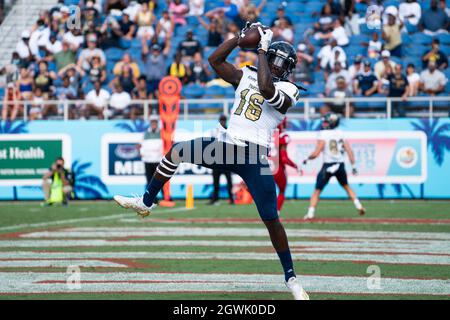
[306, 108]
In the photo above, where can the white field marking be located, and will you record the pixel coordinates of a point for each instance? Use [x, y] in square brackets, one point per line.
[69, 221]
[380, 258]
[59, 263]
[24, 282]
[436, 247]
[123, 232]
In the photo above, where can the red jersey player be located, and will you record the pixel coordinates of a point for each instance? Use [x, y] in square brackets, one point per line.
[280, 175]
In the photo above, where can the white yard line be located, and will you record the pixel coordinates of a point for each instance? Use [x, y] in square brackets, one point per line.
[123, 232]
[24, 282]
[380, 258]
[59, 264]
[70, 221]
[359, 245]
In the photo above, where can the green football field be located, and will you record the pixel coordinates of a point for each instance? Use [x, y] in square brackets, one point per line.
[96, 250]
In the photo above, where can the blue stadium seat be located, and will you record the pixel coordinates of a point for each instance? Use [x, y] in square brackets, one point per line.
[354, 50]
[406, 39]
[444, 38]
[214, 92]
[193, 91]
[358, 39]
[229, 92]
[421, 38]
[114, 54]
[415, 50]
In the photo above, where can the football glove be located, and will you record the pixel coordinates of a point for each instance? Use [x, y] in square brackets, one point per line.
[266, 39]
[305, 162]
[247, 26]
[354, 171]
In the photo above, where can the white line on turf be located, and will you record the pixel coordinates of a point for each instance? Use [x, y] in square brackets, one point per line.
[23, 282]
[359, 245]
[123, 232]
[59, 264]
[381, 258]
[70, 221]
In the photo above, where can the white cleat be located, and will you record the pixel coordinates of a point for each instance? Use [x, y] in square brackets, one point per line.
[308, 216]
[135, 203]
[297, 290]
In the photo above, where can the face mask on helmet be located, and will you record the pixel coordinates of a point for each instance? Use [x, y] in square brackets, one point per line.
[280, 67]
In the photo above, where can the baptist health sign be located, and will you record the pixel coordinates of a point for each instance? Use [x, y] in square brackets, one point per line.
[381, 156]
[25, 158]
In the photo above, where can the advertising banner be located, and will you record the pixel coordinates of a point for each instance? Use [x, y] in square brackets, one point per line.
[25, 158]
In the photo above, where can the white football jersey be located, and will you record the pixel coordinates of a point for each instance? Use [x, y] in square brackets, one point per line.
[333, 150]
[252, 118]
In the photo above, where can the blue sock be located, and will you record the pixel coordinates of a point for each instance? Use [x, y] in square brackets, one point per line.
[152, 191]
[286, 262]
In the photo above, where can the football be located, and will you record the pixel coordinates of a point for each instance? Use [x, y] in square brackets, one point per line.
[250, 39]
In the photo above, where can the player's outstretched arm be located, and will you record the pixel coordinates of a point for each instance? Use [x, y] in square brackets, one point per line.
[316, 152]
[218, 61]
[276, 98]
[351, 156]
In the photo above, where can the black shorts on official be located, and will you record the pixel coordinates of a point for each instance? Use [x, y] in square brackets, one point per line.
[329, 170]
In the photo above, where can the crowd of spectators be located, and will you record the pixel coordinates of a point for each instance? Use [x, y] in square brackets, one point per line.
[63, 59]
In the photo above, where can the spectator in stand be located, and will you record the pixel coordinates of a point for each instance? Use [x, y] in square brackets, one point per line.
[230, 9]
[249, 12]
[110, 33]
[380, 66]
[113, 5]
[198, 70]
[126, 61]
[37, 106]
[39, 37]
[65, 57]
[214, 35]
[66, 92]
[335, 6]
[178, 11]
[126, 79]
[432, 81]
[188, 47]
[155, 65]
[245, 58]
[413, 80]
[96, 71]
[351, 17]
[410, 13]
[231, 30]
[74, 73]
[339, 92]
[281, 14]
[74, 38]
[196, 7]
[443, 6]
[374, 46]
[140, 92]
[223, 23]
[365, 83]
[356, 68]
[127, 27]
[391, 34]
[435, 54]
[398, 87]
[119, 102]
[338, 71]
[43, 79]
[303, 71]
[10, 104]
[96, 101]
[24, 85]
[91, 51]
[338, 33]
[328, 53]
[144, 21]
[283, 32]
[26, 53]
[53, 46]
[179, 69]
[325, 22]
[434, 20]
[165, 27]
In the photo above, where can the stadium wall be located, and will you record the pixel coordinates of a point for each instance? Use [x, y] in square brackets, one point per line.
[397, 158]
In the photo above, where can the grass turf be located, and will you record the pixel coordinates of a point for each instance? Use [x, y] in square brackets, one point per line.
[29, 216]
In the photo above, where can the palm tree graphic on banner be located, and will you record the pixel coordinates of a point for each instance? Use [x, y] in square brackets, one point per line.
[90, 186]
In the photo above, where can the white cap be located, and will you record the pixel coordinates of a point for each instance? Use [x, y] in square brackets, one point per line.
[301, 47]
[25, 34]
[391, 10]
[385, 53]
[64, 9]
[154, 117]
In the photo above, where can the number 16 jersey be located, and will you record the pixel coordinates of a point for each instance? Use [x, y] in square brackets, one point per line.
[252, 118]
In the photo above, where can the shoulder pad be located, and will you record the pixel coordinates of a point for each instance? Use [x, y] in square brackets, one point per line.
[299, 87]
